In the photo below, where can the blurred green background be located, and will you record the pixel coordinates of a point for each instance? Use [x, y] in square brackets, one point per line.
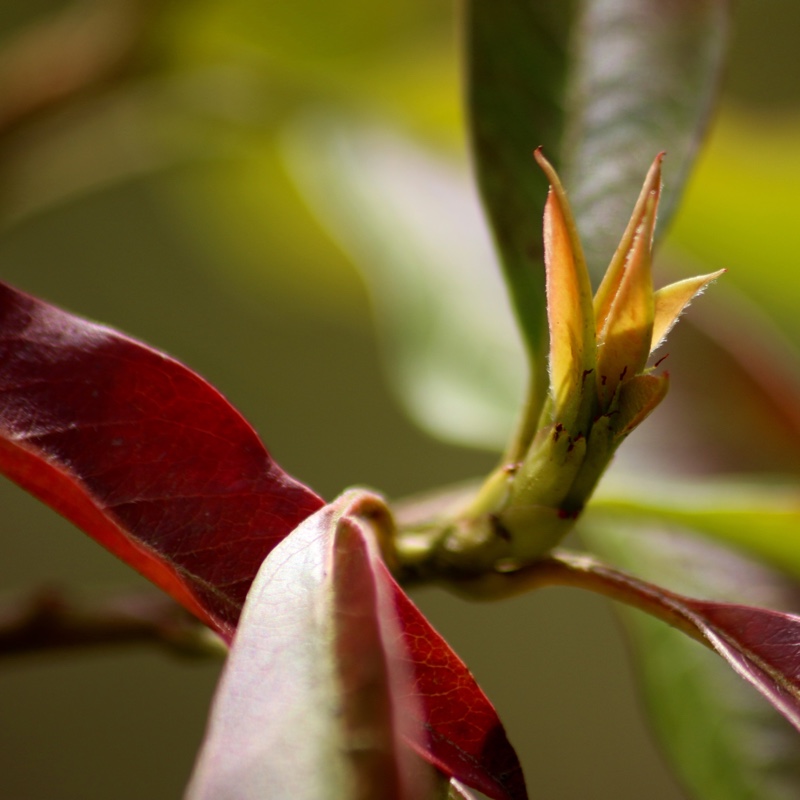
[155, 199]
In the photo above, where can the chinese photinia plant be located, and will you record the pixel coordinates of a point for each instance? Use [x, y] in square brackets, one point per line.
[154, 464]
[336, 685]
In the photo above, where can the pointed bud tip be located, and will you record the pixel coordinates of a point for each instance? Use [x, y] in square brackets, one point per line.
[544, 164]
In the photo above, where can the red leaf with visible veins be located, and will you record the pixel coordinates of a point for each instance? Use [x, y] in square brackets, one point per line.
[153, 463]
[464, 734]
[142, 454]
[762, 646]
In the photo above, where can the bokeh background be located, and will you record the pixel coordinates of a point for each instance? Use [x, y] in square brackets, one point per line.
[142, 184]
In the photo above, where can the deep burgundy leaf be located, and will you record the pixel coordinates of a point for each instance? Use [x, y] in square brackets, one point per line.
[762, 646]
[142, 454]
[464, 735]
[690, 698]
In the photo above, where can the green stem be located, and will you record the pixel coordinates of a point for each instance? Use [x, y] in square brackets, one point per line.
[50, 620]
[530, 418]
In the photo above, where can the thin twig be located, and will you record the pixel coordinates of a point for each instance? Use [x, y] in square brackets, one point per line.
[51, 620]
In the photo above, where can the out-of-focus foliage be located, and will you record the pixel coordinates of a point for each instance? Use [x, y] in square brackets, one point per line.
[413, 224]
[741, 209]
[209, 90]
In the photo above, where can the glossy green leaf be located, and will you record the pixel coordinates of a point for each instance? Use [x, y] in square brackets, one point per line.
[517, 63]
[413, 226]
[759, 519]
[644, 80]
[723, 739]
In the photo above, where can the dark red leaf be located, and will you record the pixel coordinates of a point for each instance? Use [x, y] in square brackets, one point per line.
[142, 454]
[691, 698]
[464, 735]
[762, 646]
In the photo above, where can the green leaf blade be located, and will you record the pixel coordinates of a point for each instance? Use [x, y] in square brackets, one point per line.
[760, 520]
[603, 85]
[644, 79]
[517, 62]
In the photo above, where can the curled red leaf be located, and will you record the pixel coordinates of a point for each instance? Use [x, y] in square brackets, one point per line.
[761, 645]
[463, 733]
[142, 454]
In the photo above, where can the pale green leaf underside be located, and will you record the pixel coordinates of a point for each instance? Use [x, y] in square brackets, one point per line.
[758, 519]
[412, 225]
[282, 683]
